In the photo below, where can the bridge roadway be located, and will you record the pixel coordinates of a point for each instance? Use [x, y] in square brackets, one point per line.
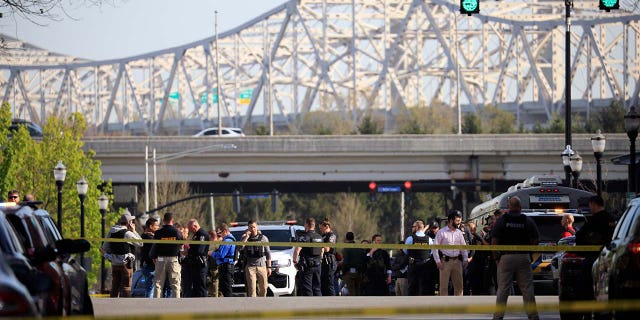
[350, 160]
[466, 307]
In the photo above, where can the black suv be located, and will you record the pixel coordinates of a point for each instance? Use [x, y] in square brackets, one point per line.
[616, 272]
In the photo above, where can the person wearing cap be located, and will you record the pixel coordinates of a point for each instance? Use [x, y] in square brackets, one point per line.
[121, 254]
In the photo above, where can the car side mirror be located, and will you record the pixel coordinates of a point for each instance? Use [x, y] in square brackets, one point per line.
[68, 246]
[44, 255]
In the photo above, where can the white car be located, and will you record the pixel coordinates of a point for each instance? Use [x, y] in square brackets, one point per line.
[282, 281]
[226, 132]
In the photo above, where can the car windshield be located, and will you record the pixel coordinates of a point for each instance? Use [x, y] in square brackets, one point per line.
[280, 235]
[551, 229]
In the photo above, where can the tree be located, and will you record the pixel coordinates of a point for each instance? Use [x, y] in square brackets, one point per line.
[608, 119]
[437, 118]
[370, 126]
[495, 120]
[471, 123]
[324, 123]
[27, 165]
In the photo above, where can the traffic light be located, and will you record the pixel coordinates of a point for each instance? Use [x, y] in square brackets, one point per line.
[373, 189]
[274, 200]
[470, 7]
[608, 5]
[236, 201]
[406, 190]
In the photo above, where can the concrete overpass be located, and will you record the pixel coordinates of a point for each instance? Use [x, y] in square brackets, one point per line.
[346, 163]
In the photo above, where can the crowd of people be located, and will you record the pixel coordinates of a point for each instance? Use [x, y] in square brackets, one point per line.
[199, 270]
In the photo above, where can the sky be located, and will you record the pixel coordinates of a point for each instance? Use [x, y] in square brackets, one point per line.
[124, 28]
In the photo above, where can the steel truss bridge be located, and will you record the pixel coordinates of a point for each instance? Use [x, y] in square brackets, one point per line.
[351, 57]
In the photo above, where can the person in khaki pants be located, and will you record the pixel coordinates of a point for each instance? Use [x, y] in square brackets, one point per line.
[257, 266]
[166, 258]
[451, 261]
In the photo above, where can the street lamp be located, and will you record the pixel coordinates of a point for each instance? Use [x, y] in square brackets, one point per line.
[631, 123]
[576, 168]
[103, 204]
[598, 143]
[59, 173]
[566, 162]
[82, 186]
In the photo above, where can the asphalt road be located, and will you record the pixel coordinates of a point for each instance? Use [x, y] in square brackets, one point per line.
[471, 307]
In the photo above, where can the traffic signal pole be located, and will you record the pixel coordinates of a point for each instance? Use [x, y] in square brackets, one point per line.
[402, 216]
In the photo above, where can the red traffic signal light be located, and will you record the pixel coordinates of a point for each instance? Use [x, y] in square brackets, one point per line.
[407, 186]
[373, 189]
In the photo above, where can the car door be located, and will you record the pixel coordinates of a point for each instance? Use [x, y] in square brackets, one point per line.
[602, 268]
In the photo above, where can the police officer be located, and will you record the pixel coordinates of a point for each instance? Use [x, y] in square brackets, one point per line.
[308, 260]
[166, 258]
[196, 262]
[329, 262]
[417, 274]
[514, 228]
[257, 265]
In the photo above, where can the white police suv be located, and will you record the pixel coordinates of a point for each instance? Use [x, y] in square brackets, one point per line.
[283, 275]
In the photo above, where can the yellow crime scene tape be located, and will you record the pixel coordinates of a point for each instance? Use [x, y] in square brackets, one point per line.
[574, 306]
[341, 245]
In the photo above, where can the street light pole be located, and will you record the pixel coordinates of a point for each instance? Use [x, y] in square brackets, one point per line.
[59, 173]
[567, 74]
[103, 204]
[82, 187]
[598, 143]
[631, 123]
[566, 162]
[576, 168]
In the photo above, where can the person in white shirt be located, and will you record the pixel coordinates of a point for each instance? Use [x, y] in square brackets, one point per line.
[451, 261]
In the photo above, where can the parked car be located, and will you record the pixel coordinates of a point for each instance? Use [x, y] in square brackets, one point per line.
[34, 129]
[80, 302]
[616, 272]
[13, 254]
[33, 239]
[15, 300]
[282, 280]
[226, 132]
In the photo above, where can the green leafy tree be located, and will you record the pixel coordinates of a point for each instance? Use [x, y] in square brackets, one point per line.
[438, 118]
[609, 119]
[370, 126]
[26, 165]
[324, 123]
[495, 120]
[471, 123]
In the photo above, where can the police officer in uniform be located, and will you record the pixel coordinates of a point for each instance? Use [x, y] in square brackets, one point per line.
[196, 262]
[329, 262]
[417, 274]
[308, 260]
[515, 228]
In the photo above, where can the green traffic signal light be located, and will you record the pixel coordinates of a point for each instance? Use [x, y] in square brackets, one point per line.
[608, 5]
[470, 7]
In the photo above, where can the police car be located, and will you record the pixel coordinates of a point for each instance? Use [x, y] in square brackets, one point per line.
[283, 275]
